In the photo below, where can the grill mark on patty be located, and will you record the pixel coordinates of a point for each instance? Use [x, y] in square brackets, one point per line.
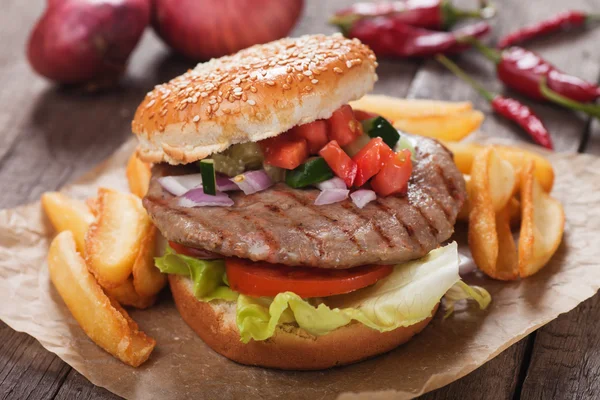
[274, 208]
[450, 185]
[378, 230]
[409, 229]
[300, 200]
[432, 229]
[268, 238]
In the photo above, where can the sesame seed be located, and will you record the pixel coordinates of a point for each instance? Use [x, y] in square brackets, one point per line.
[286, 86]
[150, 103]
[314, 81]
[308, 88]
[251, 102]
[300, 77]
[244, 97]
[349, 64]
[252, 89]
[196, 118]
[338, 70]
[307, 73]
[212, 101]
[270, 83]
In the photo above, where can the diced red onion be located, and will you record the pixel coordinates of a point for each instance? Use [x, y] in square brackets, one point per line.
[180, 184]
[362, 197]
[333, 183]
[330, 196]
[197, 198]
[253, 181]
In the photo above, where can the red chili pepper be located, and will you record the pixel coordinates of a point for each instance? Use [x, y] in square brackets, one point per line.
[387, 37]
[429, 14]
[510, 109]
[560, 22]
[523, 71]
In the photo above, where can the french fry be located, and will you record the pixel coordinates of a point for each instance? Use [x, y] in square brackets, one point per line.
[106, 323]
[126, 295]
[542, 224]
[138, 175]
[514, 207]
[463, 214]
[464, 153]
[92, 204]
[451, 127]
[115, 237]
[69, 214]
[394, 108]
[147, 279]
[490, 239]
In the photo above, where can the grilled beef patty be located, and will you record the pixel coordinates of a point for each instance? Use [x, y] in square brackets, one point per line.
[282, 225]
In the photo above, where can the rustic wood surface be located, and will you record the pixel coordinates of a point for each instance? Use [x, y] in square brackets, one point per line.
[52, 135]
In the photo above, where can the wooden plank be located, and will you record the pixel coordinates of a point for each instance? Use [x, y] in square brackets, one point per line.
[576, 53]
[27, 370]
[77, 386]
[500, 376]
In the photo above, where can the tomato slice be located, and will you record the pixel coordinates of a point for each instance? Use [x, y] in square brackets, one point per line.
[361, 115]
[370, 159]
[343, 127]
[340, 162]
[284, 151]
[315, 134]
[263, 279]
[394, 176]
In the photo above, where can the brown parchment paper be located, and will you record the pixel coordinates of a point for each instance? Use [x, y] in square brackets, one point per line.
[182, 366]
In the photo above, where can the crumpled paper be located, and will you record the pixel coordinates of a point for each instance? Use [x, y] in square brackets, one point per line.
[182, 366]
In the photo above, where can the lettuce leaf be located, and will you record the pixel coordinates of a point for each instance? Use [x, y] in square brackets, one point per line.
[209, 277]
[406, 297]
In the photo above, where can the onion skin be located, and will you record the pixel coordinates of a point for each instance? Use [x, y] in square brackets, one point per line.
[204, 29]
[86, 41]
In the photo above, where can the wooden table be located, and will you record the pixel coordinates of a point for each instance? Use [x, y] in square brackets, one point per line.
[50, 136]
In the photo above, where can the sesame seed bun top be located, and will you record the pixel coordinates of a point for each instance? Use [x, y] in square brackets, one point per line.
[255, 94]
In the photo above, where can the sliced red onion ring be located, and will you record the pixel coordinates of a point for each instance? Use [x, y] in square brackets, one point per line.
[180, 184]
[362, 197]
[330, 196]
[253, 181]
[333, 183]
[224, 184]
[197, 198]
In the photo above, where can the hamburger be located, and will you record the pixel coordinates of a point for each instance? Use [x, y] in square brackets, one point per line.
[302, 234]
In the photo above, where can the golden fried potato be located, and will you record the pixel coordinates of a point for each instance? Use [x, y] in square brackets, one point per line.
[105, 322]
[507, 265]
[147, 279]
[67, 214]
[451, 128]
[394, 108]
[115, 237]
[542, 224]
[464, 153]
[138, 175]
[127, 296]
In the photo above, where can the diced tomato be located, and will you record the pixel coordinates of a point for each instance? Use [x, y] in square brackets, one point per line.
[361, 115]
[284, 151]
[370, 159]
[340, 162]
[343, 127]
[263, 279]
[394, 176]
[315, 134]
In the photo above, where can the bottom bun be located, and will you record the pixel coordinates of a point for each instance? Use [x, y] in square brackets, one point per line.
[290, 347]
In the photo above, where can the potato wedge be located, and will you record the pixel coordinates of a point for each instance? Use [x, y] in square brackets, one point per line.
[542, 224]
[114, 239]
[507, 265]
[394, 108]
[138, 175]
[463, 214]
[464, 153]
[92, 204]
[69, 214]
[127, 296]
[108, 326]
[452, 127]
[147, 279]
[483, 239]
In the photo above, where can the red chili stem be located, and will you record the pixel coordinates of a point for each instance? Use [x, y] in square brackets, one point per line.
[489, 53]
[510, 109]
[590, 109]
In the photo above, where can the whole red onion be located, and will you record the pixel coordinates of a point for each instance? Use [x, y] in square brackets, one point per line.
[78, 41]
[203, 29]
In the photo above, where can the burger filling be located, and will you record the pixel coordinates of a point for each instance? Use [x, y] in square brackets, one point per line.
[351, 151]
[382, 297]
